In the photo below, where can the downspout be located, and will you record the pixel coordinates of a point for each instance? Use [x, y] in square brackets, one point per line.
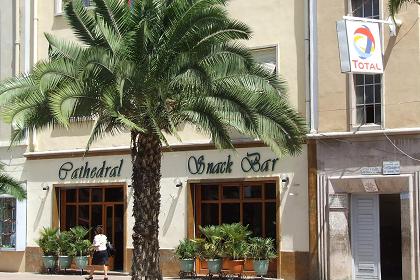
[307, 64]
[34, 59]
[313, 67]
[16, 58]
[27, 53]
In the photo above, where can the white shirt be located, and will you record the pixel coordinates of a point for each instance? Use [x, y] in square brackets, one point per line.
[99, 241]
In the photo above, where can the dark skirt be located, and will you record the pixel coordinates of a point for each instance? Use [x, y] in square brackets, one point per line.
[100, 257]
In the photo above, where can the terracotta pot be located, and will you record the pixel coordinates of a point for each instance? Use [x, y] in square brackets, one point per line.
[234, 266]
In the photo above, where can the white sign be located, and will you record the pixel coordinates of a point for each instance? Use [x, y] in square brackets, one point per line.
[360, 47]
[372, 170]
[391, 168]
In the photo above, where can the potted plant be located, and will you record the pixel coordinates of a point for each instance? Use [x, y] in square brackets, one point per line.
[81, 246]
[235, 246]
[65, 249]
[262, 250]
[186, 253]
[49, 246]
[211, 248]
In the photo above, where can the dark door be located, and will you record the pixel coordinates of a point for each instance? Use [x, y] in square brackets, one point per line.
[93, 206]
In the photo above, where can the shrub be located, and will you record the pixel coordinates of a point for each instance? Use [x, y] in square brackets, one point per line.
[262, 248]
[48, 242]
[187, 249]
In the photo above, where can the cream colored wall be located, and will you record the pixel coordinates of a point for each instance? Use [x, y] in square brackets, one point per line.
[402, 83]
[332, 94]
[6, 55]
[173, 216]
[273, 23]
[401, 60]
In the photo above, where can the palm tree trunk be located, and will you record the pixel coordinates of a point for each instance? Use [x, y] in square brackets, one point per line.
[146, 159]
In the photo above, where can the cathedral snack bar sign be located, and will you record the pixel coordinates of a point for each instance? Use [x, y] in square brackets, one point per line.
[251, 162]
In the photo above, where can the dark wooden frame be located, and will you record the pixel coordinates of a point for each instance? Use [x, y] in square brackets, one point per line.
[59, 203]
[193, 215]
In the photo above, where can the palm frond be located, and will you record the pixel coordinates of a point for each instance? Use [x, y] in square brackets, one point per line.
[12, 187]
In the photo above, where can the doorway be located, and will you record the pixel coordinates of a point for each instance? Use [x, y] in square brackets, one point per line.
[390, 236]
[93, 206]
[376, 237]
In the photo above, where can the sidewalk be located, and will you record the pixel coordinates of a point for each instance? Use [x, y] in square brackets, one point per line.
[34, 276]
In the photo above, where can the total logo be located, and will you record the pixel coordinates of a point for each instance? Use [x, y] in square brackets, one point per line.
[364, 42]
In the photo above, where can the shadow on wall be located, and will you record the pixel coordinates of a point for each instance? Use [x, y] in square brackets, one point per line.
[171, 210]
[40, 209]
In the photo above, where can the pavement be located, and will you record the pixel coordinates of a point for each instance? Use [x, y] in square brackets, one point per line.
[35, 276]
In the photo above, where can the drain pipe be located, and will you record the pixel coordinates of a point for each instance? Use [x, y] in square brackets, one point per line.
[313, 66]
[16, 59]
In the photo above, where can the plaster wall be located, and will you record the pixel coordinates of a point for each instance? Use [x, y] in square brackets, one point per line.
[401, 57]
[6, 53]
[274, 23]
[173, 216]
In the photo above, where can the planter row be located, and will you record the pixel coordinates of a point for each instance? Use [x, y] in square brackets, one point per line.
[64, 262]
[215, 266]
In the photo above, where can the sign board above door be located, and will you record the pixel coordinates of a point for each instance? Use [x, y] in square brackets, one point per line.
[360, 47]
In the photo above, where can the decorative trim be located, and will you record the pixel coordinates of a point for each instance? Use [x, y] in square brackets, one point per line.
[127, 151]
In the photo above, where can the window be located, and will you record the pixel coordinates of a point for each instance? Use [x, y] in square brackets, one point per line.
[368, 98]
[60, 4]
[7, 222]
[365, 8]
[367, 88]
[267, 57]
[249, 203]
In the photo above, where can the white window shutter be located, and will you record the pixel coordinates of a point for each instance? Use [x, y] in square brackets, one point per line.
[365, 237]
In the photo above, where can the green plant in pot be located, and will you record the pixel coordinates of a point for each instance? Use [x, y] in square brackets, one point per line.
[65, 249]
[186, 252]
[235, 246]
[211, 248]
[262, 250]
[81, 245]
[49, 246]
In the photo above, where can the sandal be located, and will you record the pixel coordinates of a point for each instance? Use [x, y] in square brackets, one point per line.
[89, 278]
[105, 278]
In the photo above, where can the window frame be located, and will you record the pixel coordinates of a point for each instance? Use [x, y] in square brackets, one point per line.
[354, 126]
[20, 225]
[220, 201]
[276, 48]
[58, 7]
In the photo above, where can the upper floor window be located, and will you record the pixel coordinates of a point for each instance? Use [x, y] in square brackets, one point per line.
[365, 8]
[7, 222]
[368, 98]
[367, 88]
[60, 4]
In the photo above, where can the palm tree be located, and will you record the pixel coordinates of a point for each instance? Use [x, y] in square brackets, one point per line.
[394, 6]
[10, 186]
[148, 68]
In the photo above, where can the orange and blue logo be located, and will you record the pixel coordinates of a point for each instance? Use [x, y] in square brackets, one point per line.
[364, 42]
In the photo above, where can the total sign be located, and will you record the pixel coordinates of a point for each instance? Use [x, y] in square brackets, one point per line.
[360, 47]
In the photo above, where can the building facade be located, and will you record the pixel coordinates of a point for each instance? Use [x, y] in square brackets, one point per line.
[200, 185]
[362, 152]
[14, 59]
